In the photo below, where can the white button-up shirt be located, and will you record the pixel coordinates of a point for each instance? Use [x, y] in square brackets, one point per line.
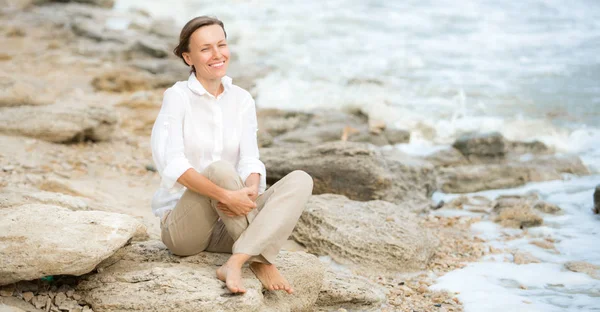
[194, 129]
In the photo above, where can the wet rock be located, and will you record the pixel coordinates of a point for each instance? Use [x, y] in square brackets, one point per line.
[533, 147]
[397, 136]
[59, 123]
[519, 216]
[478, 146]
[474, 178]
[41, 240]
[356, 170]
[584, 267]
[522, 257]
[447, 158]
[546, 207]
[597, 200]
[375, 235]
[345, 290]
[148, 277]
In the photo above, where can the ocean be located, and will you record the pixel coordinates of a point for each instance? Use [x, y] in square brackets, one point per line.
[527, 69]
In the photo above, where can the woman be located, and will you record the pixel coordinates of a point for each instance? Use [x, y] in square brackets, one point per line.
[212, 195]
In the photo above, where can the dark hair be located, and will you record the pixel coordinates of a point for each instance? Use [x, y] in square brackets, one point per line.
[187, 31]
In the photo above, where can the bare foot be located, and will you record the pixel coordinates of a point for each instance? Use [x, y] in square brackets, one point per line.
[232, 276]
[270, 277]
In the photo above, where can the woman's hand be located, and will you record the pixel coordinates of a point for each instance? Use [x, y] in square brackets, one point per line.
[238, 203]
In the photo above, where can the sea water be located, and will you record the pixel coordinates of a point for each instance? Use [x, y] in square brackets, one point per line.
[439, 68]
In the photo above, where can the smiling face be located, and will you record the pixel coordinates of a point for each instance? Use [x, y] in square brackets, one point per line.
[208, 53]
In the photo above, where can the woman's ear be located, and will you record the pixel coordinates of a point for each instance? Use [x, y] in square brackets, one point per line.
[186, 58]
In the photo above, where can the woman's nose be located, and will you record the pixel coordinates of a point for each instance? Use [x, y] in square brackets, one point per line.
[217, 53]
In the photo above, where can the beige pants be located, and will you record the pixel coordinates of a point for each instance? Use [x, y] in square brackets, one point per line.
[195, 224]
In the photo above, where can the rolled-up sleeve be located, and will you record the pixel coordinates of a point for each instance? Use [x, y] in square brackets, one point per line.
[167, 139]
[249, 156]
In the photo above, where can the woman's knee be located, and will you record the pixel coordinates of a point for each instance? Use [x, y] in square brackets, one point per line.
[302, 180]
[219, 170]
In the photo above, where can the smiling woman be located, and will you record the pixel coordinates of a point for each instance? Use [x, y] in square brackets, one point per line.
[213, 194]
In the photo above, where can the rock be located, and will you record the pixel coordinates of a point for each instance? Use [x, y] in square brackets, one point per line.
[355, 293]
[277, 122]
[533, 147]
[141, 109]
[356, 170]
[265, 139]
[13, 304]
[151, 46]
[41, 240]
[89, 29]
[545, 244]
[147, 277]
[474, 178]
[597, 200]
[358, 233]
[27, 296]
[164, 28]
[546, 207]
[127, 80]
[100, 3]
[521, 257]
[59, 123]
[519, 216]
[478, 146]
[397, 136]
[584, 267]
[25, 91]
[447, 158]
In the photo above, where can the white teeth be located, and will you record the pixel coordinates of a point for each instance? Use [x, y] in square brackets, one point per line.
[217, 65]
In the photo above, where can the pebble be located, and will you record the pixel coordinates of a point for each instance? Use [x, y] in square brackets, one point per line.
[422, 289]
[28, 296]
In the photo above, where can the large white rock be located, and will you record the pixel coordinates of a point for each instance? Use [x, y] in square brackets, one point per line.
[145, 276]
[376, 235]
[40, 240]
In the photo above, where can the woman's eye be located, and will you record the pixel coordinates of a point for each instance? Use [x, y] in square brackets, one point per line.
[203, 50]
[222, 45]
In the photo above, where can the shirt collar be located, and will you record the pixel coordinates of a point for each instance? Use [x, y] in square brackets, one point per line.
[197, 87]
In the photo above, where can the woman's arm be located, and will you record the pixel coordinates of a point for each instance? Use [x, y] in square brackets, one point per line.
[250, 168]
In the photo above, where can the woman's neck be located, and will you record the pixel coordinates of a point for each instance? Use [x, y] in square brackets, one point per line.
[213, 87]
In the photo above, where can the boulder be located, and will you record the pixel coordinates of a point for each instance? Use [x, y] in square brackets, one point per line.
[449, 157]
[474, 178]
[476, 146]
[531, 200]
[94, 29]
[597, 200]
[356, 170]
[151, 46]
[40, 240]
[128, 80]
[145, 276]
[355, 293]
[531, 147]
[277, 121]
[374, 235]
[518, 216]
[60, 123]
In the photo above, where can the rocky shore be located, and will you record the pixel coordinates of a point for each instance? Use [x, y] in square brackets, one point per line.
[79, 95]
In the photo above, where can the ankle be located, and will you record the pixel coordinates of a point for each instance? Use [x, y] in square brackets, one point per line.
[238, 260]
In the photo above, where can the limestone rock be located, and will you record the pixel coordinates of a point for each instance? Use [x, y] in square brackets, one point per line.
[447, 158]
[147, 277]
[533, 147]
[522, 257]
[474, 178]
[59, 123]
[519, 216]
[127, 80]
[151, 46]
[14, 304]
[40, 240]
[356, 293]
[25, 91]
[376, 235]
[597, 200]
[489, 145]
[584, 267]
[356, 170]
[397, 136]
[277, 122]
